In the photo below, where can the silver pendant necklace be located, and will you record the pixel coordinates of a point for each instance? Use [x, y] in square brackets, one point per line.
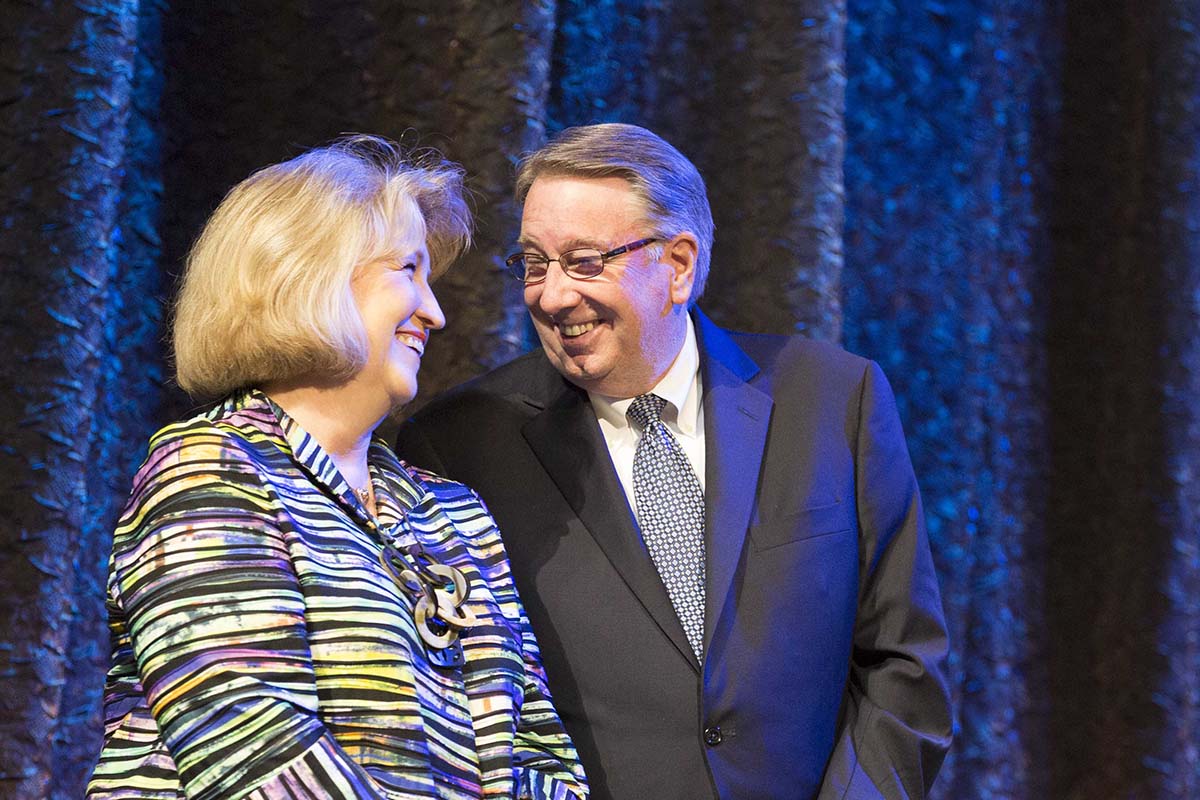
[441, 592]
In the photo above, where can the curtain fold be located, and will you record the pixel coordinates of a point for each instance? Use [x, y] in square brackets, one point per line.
[66, 81]
[1175, 746]
[950, 145]
[1122, 568]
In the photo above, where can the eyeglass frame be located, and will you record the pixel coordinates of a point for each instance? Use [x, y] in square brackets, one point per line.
[512, 262]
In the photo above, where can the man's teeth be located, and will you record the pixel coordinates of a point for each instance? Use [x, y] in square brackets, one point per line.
[412, 341]
[577, 330]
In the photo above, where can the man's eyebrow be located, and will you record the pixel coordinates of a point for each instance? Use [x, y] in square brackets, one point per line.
[569, 244]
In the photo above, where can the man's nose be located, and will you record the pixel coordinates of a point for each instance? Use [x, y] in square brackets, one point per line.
[559, 291]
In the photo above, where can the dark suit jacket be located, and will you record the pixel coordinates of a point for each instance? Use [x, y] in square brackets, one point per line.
[825, 643]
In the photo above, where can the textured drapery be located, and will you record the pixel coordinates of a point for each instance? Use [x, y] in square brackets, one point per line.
[68, 329]
[948, 162]
[1123, 576]
[1021, 245]
[1020, 241]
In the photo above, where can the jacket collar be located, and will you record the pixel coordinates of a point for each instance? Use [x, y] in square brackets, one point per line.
[264, 424]
[737, 417]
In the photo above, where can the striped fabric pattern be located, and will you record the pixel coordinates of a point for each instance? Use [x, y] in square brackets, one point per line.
[261, 651]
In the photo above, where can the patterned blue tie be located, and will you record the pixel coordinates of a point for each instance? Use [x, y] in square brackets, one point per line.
[670, 512]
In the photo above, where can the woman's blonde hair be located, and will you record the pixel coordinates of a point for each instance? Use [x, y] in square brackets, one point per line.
[266, 290]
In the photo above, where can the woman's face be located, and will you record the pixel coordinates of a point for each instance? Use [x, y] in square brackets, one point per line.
[398, 310]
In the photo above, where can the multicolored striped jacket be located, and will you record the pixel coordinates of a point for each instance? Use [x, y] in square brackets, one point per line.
[261, 650]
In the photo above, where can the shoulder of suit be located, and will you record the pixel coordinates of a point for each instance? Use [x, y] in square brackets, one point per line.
[525, 384]
[774, 353]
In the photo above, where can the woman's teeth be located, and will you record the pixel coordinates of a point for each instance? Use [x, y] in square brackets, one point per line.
[412, 341]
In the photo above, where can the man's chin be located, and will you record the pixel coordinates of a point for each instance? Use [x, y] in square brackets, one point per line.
[579, 370]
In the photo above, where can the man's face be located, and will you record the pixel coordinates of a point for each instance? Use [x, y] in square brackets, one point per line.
[615, 334]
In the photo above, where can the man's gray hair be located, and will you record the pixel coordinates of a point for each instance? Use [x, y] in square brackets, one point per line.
[668, 184]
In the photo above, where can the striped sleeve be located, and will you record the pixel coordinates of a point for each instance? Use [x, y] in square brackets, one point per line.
[217, 630]
[546, 764]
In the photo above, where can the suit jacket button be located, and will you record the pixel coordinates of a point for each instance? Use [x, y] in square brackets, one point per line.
[712, 735]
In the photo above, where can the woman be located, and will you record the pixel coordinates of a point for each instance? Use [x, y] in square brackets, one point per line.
[295, 612]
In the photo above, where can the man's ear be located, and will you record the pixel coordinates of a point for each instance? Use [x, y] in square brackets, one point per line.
[680, 254]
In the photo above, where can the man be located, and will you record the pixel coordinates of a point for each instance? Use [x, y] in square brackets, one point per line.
[718, 536]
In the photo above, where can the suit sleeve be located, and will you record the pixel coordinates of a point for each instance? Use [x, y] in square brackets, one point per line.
[216, 631]
[897, 719]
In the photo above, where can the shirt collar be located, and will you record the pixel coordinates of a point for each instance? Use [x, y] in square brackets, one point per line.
[680, 387]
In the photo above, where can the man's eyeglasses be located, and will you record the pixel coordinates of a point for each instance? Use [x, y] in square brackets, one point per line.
[581, 263]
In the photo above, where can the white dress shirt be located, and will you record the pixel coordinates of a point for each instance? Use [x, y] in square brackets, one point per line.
[684, 415]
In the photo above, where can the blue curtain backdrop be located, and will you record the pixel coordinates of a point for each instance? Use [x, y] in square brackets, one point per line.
[953, 121]
[997, 200]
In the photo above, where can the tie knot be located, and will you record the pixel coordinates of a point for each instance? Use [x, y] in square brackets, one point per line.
[646, 409]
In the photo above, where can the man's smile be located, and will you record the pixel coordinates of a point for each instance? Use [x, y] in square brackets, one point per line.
[572, 330]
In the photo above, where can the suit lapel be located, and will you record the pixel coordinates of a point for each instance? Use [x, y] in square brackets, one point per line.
[736, 418]
[566, 438]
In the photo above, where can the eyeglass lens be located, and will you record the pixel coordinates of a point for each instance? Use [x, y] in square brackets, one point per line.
[578, 263]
